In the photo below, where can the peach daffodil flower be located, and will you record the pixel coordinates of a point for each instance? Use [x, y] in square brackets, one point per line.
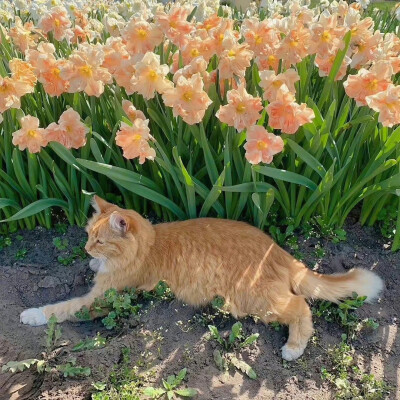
[58, 22]
[261, 145]
[271, 83]
[242, 110]
[131, 111]
[70, 130]
[150, 77]
[84, 71]
[141, 36]
[285, 114]
[387, 103]
[368, 82]
[175, 25]
[134, 140]
[188, 99]
[30, 136]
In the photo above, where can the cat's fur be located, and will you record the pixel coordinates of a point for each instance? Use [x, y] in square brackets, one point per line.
[203, 258]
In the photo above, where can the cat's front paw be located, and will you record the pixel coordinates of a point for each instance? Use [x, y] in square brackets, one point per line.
[33, 317]
[291, 353]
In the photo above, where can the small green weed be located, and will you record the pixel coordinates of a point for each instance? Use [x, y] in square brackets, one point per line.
[48, 361]
[125, 382]
[346, 377]
[117, 306]
[207, 318]
[21, 254]
[161, 292]
[317, 228]
[170, 390]
[343, 313]
[71, 370]
[97, 342]
[279, 236]
[67, 260]
[387, 218]
[60, 244]
[61, 228]
[77, 251]
[276, 325]
[5, 241]
[234, 343]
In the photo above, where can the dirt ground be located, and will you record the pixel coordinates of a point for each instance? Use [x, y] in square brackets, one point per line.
[165, 341]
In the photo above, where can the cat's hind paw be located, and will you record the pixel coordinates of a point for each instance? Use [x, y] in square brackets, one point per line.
[33, 317]
[290, 354]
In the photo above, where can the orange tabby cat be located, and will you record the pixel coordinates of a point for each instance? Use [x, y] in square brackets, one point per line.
[203, 258]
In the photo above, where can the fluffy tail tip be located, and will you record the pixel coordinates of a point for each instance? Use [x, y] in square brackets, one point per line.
[369, 284]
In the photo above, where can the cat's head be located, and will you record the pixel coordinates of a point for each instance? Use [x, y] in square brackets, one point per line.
[114, 232]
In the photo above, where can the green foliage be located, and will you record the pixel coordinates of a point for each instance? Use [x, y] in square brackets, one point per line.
[160, 292]
[71, 370]
[343, 159]
[343, 313]
[117, 306]
[347, 378]
[170, 386]
[67, 258]
[48, 361]
[97, 342]
[60, 244]
[21, 254]
[61, 228]
[5, 241]
[387, 218]
[235, 342]
[19, 366]
[125, 382]
[53, 333]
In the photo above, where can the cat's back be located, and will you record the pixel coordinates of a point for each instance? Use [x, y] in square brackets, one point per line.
[219, 232]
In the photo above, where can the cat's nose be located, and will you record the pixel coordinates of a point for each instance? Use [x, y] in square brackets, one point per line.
[87, 248]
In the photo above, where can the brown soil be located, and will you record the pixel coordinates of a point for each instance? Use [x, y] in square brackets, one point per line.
[39, 279]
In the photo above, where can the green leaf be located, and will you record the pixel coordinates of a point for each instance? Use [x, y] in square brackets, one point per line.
[189, 392]
[119, 176]
[153, 392]
[244, 367]
[118, 173]
[37, 207]
[212, 196]
[19, 366]
[327, 89]
[307, 158]
[215, 334]
[251, 339]
[9, 203]
[210, 162]
[181, 376]
[283, 175]
[219, 360]
[235, 332]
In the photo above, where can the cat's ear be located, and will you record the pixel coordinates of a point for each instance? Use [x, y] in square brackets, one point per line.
[100, 205]
[119, 223]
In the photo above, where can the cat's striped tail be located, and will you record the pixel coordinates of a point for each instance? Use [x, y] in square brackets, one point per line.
[336, 286]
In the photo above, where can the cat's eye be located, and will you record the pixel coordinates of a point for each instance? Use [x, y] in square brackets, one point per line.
[99, 242]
